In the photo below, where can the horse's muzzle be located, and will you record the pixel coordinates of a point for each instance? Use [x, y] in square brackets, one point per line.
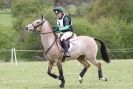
[26, 28]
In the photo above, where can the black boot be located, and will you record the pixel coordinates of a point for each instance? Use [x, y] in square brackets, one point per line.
[65, 47]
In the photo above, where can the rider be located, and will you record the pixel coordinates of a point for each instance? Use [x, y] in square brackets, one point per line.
[64, 27]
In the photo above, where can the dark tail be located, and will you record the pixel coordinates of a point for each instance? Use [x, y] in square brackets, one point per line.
[104, 51]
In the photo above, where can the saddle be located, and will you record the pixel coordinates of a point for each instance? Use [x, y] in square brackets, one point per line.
[69, 41]
[69, 44]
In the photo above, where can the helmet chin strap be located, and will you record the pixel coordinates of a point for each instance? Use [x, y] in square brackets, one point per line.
[62, 14]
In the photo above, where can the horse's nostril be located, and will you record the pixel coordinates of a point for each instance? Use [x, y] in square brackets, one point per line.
[26, 28]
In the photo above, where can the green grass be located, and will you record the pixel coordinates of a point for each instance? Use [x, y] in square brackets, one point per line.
[33, 75]
[6, 19]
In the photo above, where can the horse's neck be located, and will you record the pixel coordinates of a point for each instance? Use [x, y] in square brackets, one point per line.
[46, 27]
[47, 36]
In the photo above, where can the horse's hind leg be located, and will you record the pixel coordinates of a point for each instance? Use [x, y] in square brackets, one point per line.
[100, 74]
[98, 65]
[86, 65]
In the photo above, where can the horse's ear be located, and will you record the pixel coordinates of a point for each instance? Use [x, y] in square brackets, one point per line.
[42, 17]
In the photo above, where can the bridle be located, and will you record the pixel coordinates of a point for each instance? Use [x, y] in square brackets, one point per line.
[41, 27]
[41, 24]
[38, 25]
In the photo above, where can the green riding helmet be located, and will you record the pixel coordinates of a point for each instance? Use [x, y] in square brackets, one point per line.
[58, 10]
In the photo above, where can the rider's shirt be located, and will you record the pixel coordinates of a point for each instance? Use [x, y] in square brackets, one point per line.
[60, 22]
[64, 24]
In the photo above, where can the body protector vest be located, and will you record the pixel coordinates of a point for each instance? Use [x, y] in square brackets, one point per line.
[64, 24]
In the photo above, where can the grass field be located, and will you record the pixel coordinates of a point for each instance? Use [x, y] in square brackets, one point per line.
[6, 19]
[33, 75]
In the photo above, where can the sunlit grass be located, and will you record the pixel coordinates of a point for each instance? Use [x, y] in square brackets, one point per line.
[6, 19]
[33, 75]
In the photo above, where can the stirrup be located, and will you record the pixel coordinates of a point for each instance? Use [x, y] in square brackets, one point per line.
[66, 54]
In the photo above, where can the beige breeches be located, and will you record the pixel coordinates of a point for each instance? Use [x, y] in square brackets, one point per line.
[66, 35]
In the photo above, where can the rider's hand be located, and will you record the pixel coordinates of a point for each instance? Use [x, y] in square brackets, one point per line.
[55, 28]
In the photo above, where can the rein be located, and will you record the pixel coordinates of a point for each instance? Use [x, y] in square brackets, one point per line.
[51, 44]
[45, 52]
[46, 33]
[50, 47]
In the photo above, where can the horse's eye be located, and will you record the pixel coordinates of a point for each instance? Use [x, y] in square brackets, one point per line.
[37, 22]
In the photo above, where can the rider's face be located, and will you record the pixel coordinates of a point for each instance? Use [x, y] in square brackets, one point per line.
[59, 15]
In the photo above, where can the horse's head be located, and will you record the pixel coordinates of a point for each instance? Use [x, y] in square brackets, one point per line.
[36, 25]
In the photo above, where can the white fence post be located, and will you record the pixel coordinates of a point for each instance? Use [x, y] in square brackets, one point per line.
[13, 56]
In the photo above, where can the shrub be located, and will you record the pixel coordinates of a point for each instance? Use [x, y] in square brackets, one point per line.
[25, 13]
[8, 38]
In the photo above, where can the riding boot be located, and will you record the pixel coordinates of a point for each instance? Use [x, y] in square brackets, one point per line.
[65, 47]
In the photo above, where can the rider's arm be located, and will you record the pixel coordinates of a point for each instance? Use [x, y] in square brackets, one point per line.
[66, 24]
[64, 28]
[55, 28]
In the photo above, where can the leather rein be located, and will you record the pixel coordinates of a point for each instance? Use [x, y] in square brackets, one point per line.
[46, 33]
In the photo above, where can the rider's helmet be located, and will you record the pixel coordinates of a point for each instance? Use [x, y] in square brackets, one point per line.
[58, 10]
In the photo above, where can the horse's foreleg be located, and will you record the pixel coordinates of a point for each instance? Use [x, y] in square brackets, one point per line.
[61, 76]
[50, 66]
[86, 65]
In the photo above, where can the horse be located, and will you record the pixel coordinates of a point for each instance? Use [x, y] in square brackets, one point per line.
[84, 49]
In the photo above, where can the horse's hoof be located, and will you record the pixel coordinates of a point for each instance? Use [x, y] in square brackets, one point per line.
[80, 79]
[61, 85]
[104, 79]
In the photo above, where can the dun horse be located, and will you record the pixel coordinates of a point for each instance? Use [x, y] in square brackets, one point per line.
[84, 49]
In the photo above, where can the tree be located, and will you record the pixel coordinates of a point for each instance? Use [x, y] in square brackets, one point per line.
[107, 8]
[7, 37]
[5, 3]
[1, 3]
[25, 13]
[128, 11]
